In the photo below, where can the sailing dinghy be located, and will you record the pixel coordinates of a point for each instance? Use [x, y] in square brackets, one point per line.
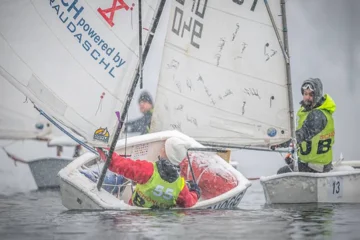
[337, 186]
[78, 186]
[225, 81]
[79, 62]
[223, 77]
[21, 122]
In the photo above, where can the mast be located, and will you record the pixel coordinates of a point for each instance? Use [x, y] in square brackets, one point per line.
[289, 83]
[131, 94]
[140, 47]
[285, 49]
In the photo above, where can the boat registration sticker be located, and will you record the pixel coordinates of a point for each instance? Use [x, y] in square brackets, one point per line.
[335, 187]
[140, 151]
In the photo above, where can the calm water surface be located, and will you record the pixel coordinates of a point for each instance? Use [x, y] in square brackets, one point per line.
[40, 215]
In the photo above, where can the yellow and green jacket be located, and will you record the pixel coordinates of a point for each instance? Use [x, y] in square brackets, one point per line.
[315, 132]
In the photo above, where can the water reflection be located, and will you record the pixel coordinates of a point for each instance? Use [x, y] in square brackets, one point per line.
[40, 215]
[154, 224]
[308, 220]
[319, 221]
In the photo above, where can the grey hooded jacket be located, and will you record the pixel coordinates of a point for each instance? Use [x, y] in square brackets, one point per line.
[316, 120]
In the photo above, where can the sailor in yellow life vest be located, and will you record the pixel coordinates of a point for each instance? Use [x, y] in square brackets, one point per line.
[159, 184]
[315, 133]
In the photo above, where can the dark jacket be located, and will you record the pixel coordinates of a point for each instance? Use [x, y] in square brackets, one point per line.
[316, 121]
[141, 124]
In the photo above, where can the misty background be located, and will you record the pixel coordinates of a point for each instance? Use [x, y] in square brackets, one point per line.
[323, 43]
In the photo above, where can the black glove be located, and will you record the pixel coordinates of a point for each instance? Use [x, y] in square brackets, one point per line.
[193, 187]
[288, 159]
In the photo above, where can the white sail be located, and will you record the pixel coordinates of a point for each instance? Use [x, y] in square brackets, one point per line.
[74, 59]
[223, 76]
[18, 118]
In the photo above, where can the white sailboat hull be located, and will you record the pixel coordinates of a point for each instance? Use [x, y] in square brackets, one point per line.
[352, 163]
[299, 187]
[45, 170]
[79, 192]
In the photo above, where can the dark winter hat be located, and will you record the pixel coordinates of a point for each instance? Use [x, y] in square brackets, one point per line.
[145, 96]
[315, 85]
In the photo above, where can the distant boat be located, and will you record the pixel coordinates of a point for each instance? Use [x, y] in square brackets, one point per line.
[19, 121]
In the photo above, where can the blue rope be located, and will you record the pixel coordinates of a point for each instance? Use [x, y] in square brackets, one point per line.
[66, 132]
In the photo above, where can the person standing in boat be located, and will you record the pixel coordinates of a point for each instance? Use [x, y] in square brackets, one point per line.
[142, 124]
[315, 133]
[159, 184]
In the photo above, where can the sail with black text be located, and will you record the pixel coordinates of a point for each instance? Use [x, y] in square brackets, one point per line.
[74, 59]
[223, 75]
[81, 177]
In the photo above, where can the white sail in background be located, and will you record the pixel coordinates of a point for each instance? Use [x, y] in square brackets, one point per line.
[18, 118]
[74, 59]
[223, 76]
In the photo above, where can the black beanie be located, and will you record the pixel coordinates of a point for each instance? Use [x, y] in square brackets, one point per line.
[145, 96]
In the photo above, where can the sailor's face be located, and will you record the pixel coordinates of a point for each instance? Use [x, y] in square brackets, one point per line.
[162, 153]
[308, 97]
[144, 106]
